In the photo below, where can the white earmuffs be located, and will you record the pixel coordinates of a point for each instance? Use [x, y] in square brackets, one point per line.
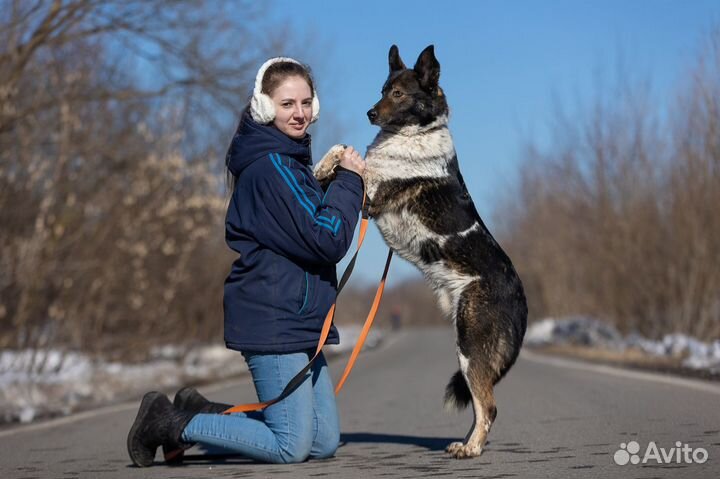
[262, 108]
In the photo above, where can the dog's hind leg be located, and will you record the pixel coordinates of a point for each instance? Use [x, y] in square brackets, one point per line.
[483, 402]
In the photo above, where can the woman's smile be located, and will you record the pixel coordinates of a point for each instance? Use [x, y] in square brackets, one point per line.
[293, 106]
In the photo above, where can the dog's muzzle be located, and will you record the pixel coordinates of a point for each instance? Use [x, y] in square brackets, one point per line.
[372, 114]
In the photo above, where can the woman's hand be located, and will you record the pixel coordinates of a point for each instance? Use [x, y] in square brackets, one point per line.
[352, 160]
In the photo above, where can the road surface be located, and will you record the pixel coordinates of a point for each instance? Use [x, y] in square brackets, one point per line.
[556, 418]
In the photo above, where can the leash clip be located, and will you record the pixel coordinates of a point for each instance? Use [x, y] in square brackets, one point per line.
[366, 208]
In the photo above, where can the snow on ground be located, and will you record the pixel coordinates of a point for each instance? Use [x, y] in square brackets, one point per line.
[591, 332]
[37, 384]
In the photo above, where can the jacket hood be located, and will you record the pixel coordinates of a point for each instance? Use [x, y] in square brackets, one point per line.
[253, 141]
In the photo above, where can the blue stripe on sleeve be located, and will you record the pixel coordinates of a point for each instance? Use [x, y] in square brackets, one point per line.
[305, 181]
[308, 208]
[322, 202]
[293, 179]
[299, 188]
[292, 188]
[319, 218]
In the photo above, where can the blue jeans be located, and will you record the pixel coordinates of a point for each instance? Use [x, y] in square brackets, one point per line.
[304, 424]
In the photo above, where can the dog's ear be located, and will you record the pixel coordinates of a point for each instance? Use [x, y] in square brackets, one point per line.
[428, 69]
[394, 60]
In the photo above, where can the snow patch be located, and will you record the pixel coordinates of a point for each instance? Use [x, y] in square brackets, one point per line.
[581, 330]
[43, 383]
[592, 332]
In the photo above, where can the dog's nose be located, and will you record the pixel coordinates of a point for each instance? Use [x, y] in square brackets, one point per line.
[372, 114]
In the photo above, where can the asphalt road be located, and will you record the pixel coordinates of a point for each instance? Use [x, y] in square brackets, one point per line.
[556, 418]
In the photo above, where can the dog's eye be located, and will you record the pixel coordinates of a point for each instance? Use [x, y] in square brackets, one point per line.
[397, 93]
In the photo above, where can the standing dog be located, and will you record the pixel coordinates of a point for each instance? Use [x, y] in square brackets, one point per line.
[419, 202]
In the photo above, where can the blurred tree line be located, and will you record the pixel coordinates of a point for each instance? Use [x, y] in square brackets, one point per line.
[618, 217]
[114, 120]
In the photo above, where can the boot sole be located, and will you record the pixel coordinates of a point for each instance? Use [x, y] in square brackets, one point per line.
[139, 455]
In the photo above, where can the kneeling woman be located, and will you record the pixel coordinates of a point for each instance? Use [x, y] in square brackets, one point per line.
[290, 234]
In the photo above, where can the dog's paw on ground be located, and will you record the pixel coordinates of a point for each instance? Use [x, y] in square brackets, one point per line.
[462, 451]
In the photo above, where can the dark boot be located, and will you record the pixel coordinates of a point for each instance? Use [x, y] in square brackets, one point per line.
[158, 423]
[189, 399]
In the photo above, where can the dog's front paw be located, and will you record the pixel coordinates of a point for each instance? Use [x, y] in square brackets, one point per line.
[325, 169]
[462, 451]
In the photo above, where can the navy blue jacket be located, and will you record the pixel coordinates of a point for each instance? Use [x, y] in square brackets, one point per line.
[290, 234]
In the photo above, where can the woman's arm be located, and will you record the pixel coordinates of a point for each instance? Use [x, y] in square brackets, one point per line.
[279, 208]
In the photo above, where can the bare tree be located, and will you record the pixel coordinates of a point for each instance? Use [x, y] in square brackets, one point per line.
[617, 219]
[113, 118]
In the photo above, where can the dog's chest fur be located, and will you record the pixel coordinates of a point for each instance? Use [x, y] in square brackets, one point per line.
[398, 168]
[411, 152]
[420, 203]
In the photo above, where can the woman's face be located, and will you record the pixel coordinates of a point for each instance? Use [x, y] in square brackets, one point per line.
[293, 106]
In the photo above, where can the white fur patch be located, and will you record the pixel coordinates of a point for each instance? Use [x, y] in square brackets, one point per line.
[447, 284]
[464, 363]
[416, 152]
[412, 151]
[475, 226]
[404, 232]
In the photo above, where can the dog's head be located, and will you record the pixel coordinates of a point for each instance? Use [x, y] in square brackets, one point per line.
[410, 96]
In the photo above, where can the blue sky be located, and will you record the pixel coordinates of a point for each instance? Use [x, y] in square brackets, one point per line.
[504, 65]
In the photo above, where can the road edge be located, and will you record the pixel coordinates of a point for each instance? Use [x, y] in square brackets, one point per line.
[696, 384]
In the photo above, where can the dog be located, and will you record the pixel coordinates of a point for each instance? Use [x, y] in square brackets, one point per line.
[420, 203]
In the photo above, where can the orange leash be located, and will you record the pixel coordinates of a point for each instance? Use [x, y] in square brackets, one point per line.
[295, 381]
[300, 376]
[366, 326]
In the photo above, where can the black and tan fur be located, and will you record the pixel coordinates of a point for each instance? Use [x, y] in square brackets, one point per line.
[424, 211]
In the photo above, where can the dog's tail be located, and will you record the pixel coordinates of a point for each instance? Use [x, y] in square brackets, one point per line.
[457, 392]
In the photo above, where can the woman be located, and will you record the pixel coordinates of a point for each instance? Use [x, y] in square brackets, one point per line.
[290, 233]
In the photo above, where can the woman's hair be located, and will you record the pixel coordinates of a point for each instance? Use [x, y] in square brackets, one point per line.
[273, 77]
[278, 72]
